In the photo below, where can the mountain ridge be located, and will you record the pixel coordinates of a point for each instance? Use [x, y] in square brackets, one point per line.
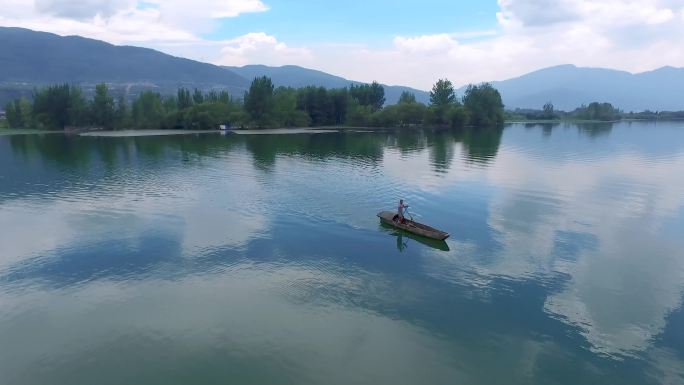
[130, 69]
[568, 86]
[104, 61]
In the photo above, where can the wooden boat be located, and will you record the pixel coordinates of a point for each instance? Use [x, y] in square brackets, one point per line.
[412, 227]
[402, 235]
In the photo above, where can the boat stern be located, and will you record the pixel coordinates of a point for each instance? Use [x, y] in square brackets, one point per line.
[386, 215]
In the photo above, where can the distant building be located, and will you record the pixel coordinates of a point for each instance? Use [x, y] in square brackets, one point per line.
[2, 114]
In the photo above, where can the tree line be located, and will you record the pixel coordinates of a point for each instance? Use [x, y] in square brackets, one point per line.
[263, 106]
[593, 111]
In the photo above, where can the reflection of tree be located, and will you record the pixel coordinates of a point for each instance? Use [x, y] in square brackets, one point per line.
[408, 141]
[482, 144]
[592, 129]
[595, 130]
[66, 151]
[73, 152]
[91, 155]
[547, 128]
[55, 159]
[441, 147]
[364, 147]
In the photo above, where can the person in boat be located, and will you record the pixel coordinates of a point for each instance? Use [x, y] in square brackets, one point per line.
[399, 218]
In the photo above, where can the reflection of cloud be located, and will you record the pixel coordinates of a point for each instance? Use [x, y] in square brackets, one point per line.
[622, 287]
[411, 170]
[621, 293]
[131, 208]
[215, 215]
[246, 321]
[599, 222]
[669, 367]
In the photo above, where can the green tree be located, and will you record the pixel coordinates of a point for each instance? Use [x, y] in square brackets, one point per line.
[456, 116]
[78, 107]
[121, 114]
[598, 111]
[13, 114]
[387, 117]
[183, 98]
[102, 107]
[358, 115]
[340, 105]
[25, 110]
[411, 113]
[371, 95]
[407, 98]
[224, 97]
[548, 112]
[58, 106]
[317, 103]
[259, 100]
[148, 111]
[442, 93]
[377, 96]
[483, 104]
[170, 104]
[285, 112]
[198, 96]
[207, 116]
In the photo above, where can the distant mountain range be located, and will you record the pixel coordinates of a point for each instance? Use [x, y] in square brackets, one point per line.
[38, 57]
[29, 58]
[568, 87]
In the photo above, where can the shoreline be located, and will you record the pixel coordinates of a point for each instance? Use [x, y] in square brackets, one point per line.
[134, 133]
[25, 131]
[294, 130]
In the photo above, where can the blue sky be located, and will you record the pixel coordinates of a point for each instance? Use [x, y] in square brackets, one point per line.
[410, 43]
[372, 22]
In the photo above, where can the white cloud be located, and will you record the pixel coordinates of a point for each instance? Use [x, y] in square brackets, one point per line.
[629, 35]
[425, 44]
[82, 9]
[213, 8]
[260, 48]
[151, 23]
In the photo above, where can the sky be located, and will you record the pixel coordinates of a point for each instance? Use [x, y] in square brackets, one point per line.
[411, 43]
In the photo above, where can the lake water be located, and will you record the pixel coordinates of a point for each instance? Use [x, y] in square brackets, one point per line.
[245, 259]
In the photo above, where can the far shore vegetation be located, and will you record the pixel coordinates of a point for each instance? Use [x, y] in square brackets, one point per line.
[602, 112]
[64, 106]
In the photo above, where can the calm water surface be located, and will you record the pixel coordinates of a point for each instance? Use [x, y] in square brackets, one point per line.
[212, 259]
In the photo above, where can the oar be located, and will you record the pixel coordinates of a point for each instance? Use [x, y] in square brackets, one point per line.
[409, 214]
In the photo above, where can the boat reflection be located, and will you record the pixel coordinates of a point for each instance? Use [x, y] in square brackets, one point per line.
[404, 237]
